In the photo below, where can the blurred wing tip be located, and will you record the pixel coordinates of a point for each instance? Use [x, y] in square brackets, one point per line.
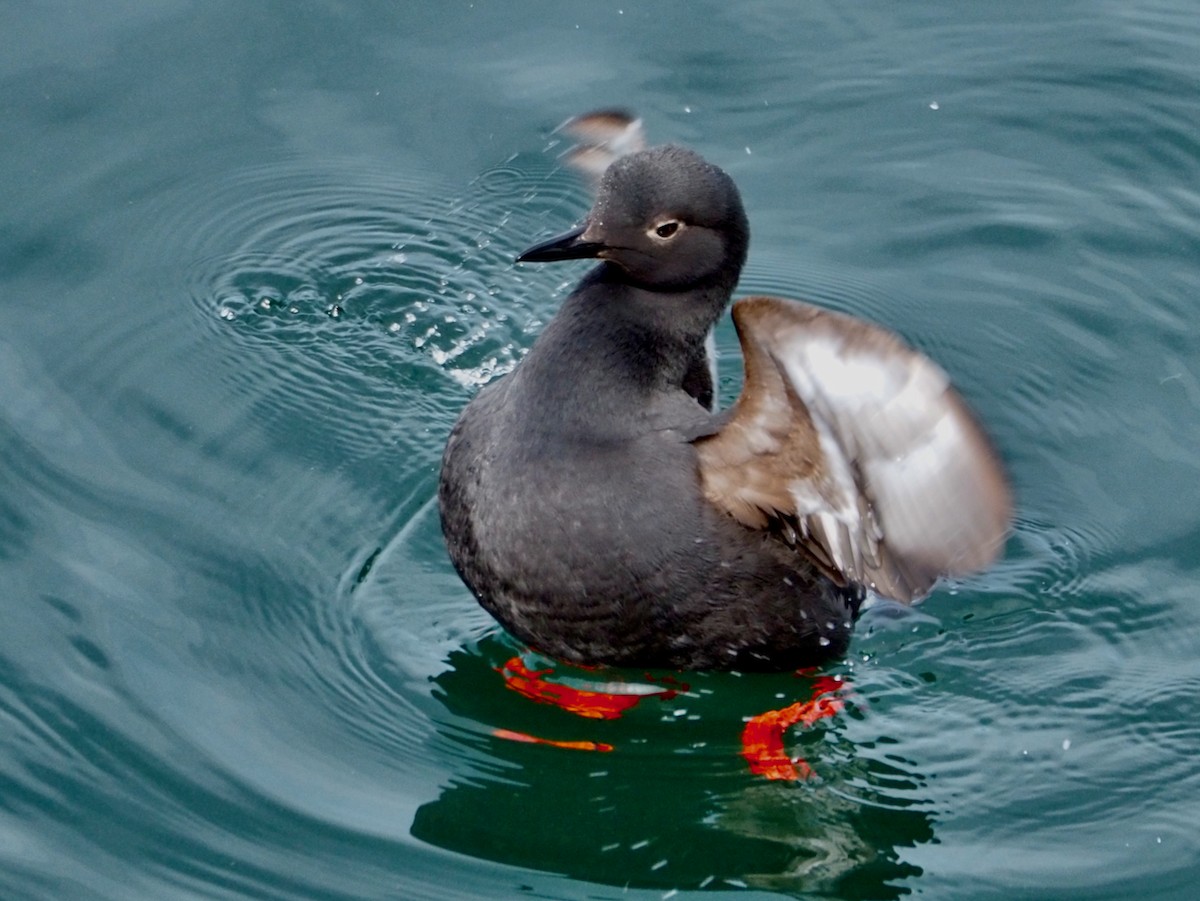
[589, 159]
[603, 136]
[602, 125]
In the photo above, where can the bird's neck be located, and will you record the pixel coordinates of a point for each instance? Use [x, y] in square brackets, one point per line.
[628, 338]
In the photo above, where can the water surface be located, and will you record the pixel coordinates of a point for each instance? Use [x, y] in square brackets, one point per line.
[255, 258]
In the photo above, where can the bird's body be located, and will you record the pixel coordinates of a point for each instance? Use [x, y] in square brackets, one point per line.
[573, 508]
[597, 507]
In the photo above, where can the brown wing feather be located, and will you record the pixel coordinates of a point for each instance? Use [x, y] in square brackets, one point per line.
[857, 446]
[604, 136]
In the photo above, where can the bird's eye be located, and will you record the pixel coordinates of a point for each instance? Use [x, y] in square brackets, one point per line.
[667, 229]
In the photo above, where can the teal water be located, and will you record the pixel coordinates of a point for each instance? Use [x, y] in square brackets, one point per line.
[255, 257]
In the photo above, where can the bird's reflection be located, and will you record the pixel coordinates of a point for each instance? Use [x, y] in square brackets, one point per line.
[660, 795]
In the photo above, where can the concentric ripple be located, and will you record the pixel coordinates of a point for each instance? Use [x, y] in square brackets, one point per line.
[363, 289]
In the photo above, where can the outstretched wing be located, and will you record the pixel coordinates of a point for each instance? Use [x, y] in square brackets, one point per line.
[603, 136]
[857, 450]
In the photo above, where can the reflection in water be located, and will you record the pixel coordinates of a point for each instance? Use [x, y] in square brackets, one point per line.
[673, 805]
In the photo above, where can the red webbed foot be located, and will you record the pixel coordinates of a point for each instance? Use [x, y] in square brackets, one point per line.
[762, 737]
[596, 702]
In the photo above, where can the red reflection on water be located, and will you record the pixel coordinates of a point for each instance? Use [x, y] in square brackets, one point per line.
[534, 740]
[762, 738]
[600, 705]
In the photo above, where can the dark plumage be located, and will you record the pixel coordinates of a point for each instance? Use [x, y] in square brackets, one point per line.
[599, 510]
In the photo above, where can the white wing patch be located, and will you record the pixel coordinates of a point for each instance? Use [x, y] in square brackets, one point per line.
[884, 478]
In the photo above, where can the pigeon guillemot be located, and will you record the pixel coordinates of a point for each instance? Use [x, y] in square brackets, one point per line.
[602, 512]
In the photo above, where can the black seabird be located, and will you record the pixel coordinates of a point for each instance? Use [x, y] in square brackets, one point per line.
[604, 514]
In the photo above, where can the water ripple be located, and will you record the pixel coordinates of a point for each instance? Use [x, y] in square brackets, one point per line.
[350, 290]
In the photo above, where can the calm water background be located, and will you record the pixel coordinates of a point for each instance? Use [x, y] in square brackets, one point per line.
[255, 256]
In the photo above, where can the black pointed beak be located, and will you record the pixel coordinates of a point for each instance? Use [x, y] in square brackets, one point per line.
[569, 246]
